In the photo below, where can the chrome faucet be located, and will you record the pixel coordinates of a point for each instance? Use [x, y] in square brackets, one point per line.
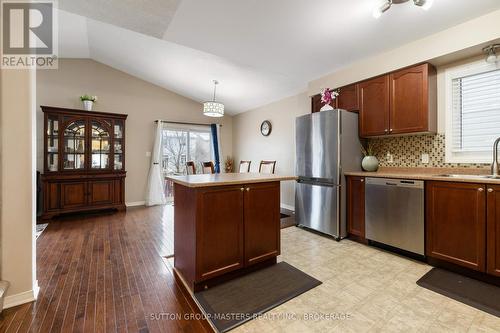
[494, 165]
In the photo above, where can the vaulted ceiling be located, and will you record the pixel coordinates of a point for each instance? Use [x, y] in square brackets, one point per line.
[260, 51]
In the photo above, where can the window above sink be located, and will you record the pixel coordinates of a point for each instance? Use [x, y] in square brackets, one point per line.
[472, 112]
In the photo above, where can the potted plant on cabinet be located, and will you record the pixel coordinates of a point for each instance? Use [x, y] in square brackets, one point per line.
[370, 161]
[88, 101]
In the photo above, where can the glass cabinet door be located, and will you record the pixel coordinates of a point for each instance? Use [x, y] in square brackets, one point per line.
[101, 146]
[118, 145]
[52, 143]
[74, 145]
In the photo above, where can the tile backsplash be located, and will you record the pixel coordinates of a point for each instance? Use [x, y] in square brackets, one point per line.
[407, 152]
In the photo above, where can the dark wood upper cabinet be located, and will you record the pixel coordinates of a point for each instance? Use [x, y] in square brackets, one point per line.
[493, 230]
[413, 102]
[400, 102]
[456, 223]
[356, 206]
[348, 98]
[84, 161]
[262, 222]
[374, 106]
[316, 104]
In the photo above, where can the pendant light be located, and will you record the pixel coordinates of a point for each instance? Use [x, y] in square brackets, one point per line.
[213, 108]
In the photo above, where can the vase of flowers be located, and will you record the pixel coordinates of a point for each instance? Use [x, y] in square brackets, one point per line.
[88, 101]
[327, 97]
[369, 162]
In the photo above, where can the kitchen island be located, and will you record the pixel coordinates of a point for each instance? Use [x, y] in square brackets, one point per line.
[225, 225]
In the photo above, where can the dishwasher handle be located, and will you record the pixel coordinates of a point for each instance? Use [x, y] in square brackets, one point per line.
[407, 183]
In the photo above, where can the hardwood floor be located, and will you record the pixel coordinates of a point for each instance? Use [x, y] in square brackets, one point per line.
[106, 273]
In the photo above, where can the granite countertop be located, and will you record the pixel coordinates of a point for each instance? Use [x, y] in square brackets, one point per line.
[222, 179]
[466, 175]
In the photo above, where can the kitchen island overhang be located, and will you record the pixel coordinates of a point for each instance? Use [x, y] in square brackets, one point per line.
[225, 225]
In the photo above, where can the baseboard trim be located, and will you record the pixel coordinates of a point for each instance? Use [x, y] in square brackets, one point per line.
[135, 203]
[22, 298]
[289, 207]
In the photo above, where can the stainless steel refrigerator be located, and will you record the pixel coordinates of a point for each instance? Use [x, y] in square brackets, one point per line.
[327, 145]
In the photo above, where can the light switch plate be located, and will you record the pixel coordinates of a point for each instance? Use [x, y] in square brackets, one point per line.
[425, 158]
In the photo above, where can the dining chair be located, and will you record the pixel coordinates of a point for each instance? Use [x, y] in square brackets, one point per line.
[245, 166]
[208, 167]
[190, 168]
[267, 167]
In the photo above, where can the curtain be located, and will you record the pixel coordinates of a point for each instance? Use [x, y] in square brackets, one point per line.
[215, 129]
[155, 194]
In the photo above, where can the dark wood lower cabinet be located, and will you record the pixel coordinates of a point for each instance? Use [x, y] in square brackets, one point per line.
[224, 230]
[456, 223]
[101, 192]
[493, 230]
[82, 193]
[356, 206]
[73, 194]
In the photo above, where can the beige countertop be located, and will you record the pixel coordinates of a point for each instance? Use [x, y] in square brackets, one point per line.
[467, 175]
[222, 179]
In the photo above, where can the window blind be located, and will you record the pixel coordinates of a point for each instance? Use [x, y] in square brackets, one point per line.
[475, 112]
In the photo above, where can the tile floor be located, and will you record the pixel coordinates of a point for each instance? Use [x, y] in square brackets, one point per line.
[364, 289]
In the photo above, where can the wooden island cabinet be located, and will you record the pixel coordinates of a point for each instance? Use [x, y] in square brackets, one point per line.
[224, 225]
[84, 161]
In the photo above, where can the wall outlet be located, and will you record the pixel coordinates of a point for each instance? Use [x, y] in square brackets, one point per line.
[148, 154]
[390, 158]
[425, 158]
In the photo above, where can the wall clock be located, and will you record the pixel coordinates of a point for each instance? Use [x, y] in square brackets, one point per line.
[266, 128]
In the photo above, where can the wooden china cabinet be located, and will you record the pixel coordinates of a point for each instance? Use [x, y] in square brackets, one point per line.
[84, 161]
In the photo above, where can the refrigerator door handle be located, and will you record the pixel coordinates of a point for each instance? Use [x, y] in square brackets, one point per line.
[316, 182]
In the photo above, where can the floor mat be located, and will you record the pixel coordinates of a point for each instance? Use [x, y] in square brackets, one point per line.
[235, 302]
[40, 228]
[478, 294]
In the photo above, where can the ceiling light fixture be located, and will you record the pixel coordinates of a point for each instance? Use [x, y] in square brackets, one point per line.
[425, 4]
[213, 108]
[384, 6]
[491, 53]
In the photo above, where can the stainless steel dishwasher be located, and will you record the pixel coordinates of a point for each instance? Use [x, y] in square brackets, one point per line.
[395, 213]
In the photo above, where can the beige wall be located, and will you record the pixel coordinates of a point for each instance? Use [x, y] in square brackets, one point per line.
[121, 93]
[249, 144]
[17, 184]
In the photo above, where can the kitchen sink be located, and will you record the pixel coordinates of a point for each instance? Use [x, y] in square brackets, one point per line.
[451, 175]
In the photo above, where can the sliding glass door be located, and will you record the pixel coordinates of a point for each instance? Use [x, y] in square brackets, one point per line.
[182, 143]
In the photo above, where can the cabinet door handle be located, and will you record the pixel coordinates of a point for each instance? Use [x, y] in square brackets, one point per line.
[361, 180]
[242, 189]
[386, 130]
[248, 189]
[390, 130]
[490, 190]
[480, 189]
